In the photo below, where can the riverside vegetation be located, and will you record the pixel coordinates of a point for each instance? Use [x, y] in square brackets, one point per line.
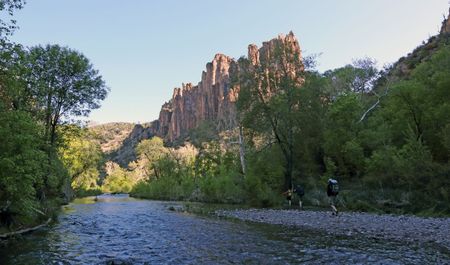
[384, 134]
[42, 156]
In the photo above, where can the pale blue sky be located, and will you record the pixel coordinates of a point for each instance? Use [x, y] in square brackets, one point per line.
[144, 49]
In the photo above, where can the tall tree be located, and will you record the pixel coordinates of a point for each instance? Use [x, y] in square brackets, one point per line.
[358, 77]
[82, 156]
[269, 98]
[65, 85]
[22, 165]
[150, 151]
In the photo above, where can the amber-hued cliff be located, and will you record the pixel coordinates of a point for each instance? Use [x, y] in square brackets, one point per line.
[212, 99]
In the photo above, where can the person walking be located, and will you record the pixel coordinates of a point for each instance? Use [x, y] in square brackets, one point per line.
[332, 192]
[300, 192]
[288, 194]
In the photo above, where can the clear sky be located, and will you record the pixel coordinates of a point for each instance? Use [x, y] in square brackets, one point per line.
[145, 48]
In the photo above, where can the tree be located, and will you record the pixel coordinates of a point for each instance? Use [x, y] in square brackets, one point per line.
[13, 71]
[341, 135]
[269, 97]
[358, 77]
[22, 166]
[151, 151]
[118, 181]
[9, 6]
[81, 156]
[64, 84]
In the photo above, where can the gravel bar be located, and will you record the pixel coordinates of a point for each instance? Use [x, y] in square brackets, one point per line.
[391, 227]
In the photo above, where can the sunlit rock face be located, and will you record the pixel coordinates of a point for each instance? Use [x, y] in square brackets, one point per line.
[212, 99]
[209, 100]
[445, 29]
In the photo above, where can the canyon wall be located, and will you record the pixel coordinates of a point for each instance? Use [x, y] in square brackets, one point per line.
[212, 99]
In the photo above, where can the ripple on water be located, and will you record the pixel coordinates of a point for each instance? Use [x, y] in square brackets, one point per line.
[129, 231]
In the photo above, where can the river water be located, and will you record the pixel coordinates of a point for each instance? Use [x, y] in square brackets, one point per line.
[122, 230]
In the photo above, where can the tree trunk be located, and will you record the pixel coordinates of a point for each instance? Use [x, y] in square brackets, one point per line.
[23, 231]
[48, 117]
[288, 169]
[54, 124]
[242, 149]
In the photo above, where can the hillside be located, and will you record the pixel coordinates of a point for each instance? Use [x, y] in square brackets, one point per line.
[194, 110]
[111, 135]
[403, 67]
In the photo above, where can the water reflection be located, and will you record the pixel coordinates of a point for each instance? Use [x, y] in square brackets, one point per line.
[121, 229]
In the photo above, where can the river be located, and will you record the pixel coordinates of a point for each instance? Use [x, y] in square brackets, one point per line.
[122, 230]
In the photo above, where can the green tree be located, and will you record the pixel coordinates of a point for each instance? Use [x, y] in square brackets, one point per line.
[341, 135]
[65, 85]
[82, 157]
[310, 119]
[358, 77]
[22, 166]
[9, 6]
[118, 181]
[150, 152]
[269, 98]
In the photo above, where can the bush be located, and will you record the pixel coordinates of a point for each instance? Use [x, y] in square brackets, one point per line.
[119, 181]
[22, 168]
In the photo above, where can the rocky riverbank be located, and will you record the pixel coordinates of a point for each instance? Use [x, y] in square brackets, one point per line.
[390, 227]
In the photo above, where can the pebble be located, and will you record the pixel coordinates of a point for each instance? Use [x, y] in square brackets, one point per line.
[403, 227]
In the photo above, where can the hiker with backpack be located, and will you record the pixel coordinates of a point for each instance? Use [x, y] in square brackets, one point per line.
[332, 192]
[300, 192]
[288, 194]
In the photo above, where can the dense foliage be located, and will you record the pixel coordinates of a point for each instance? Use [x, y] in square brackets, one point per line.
[383, 135]
[41, 90]
[209, 173]
[81, 155]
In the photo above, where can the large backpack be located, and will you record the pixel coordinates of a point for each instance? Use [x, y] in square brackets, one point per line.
[299, 191]
[333, 187]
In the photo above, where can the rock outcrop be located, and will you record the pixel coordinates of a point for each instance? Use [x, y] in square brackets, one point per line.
[126, 153]
[212, 99]
[445, 28]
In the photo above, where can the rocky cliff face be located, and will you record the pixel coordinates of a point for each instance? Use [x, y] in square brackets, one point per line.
[212, 99]
[445, 28]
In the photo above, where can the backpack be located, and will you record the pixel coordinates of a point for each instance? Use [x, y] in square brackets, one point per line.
[299, 191]
[333, 187]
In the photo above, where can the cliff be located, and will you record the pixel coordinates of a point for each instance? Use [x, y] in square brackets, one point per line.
[212, 99]
[445, 28]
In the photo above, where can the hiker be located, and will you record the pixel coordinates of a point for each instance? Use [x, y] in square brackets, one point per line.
[332, 192]
[288, 194]
[300, 193]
